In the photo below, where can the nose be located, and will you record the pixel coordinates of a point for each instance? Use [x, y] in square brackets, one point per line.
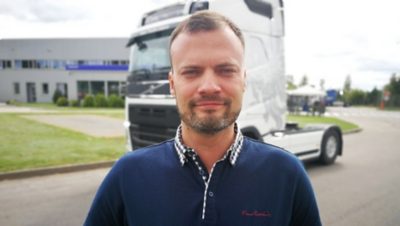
[209, 83]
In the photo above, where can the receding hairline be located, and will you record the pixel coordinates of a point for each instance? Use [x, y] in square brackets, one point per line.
[205, 21]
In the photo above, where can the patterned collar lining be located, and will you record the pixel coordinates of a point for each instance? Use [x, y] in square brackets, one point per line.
[233, 151]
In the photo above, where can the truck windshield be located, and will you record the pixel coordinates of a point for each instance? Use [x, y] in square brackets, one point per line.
[149, 59]
[149, 64]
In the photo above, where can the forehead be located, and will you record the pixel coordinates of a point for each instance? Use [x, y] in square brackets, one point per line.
[216, 44]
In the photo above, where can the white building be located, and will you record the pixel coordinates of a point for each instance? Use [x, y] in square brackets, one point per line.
[32, 69]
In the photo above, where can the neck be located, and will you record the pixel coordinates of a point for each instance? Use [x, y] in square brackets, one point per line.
[209, 147]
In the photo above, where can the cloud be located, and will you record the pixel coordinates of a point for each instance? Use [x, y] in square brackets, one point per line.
[330, 39]
[379, 65]
[44, 10]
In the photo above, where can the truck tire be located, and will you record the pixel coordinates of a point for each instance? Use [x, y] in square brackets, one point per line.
[329, 147]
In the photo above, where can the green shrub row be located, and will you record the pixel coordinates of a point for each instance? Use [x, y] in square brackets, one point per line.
[99, 100]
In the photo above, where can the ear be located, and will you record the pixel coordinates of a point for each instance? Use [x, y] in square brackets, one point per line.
[171, 83]
[244, 80]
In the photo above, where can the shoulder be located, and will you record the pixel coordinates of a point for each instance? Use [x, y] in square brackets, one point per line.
[261, 149]
[154, 154]
[269, 155]
[150, 151]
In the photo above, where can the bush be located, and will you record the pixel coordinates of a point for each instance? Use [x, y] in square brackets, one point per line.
[74, 103]
[88, 101]
[62, 102]
[115, 101]
[57, 94]
[100, 101]
[11, 102]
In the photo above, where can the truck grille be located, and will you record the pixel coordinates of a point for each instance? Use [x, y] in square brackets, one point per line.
[152, 124]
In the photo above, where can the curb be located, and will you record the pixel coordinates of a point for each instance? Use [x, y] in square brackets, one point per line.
[53, 170]
[352, 131]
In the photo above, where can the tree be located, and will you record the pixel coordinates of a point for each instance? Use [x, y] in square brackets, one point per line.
[347, 84]
[304, 81]
[356, 97]
[394, 84]
[347, 90]
[374, 97]
[57, 94]
[290, 83]
[322, 84]
[291, 86]
[394, 88]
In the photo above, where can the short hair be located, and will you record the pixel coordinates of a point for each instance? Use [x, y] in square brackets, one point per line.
[205, 21]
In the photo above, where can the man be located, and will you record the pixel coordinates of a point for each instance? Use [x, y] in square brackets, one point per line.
[209, 174]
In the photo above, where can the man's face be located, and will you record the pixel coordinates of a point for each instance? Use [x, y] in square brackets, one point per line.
[208, 79]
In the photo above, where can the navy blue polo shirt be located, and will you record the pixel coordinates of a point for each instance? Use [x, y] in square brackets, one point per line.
[151, 187]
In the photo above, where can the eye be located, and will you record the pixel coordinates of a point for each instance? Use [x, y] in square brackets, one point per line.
[227, 71]
[190, 72]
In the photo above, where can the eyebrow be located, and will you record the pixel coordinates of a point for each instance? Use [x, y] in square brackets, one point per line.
[189, 67]
[227, 65]
[218, 66]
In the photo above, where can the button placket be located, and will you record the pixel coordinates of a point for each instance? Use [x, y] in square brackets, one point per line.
[209, 207]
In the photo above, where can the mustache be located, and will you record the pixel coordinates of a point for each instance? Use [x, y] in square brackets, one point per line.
[217, 98]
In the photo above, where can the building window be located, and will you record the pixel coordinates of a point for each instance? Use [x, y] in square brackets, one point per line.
[16, 88]
[83, 89]
[97, 87]
[42, 63]
[5, 64]
[122, 88]
[18, 64]
[113, 87]
[63, 88]
[45, 88]
[59, 64]
[27, 64]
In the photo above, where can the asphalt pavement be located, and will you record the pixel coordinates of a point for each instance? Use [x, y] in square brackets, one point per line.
[361, 188]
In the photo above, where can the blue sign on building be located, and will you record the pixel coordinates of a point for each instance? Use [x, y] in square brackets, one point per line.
[74, 67]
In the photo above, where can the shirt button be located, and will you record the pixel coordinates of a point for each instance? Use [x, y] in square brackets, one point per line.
[211, 194]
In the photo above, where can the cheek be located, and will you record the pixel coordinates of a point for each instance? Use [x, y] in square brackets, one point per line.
[235, 90]
[183, 94]
[184, 90]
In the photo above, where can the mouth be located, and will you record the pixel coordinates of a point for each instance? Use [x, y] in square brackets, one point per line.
[209, 103]
[209, 106]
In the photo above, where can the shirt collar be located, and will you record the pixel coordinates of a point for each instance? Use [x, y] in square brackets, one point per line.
[233, 151]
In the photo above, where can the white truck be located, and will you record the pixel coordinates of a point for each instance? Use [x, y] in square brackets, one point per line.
[151, 114]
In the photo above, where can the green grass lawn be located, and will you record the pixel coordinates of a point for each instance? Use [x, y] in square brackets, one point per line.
[26, 144]
[302, 120]
[53, 109]
[391, 109]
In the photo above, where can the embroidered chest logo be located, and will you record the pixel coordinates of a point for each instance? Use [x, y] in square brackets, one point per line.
[256, 213]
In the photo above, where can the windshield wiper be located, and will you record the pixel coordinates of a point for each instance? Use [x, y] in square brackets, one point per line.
[139, 74]
[160, 69]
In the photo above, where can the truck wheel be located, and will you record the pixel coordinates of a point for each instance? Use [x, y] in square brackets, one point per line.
[329, 147]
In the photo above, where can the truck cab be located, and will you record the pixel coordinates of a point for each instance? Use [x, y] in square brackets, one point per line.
[151, 114]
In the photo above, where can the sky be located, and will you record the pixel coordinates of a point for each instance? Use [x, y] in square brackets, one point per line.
[324, 40]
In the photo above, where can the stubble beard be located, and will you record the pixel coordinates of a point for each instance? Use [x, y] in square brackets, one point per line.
[210, 124]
